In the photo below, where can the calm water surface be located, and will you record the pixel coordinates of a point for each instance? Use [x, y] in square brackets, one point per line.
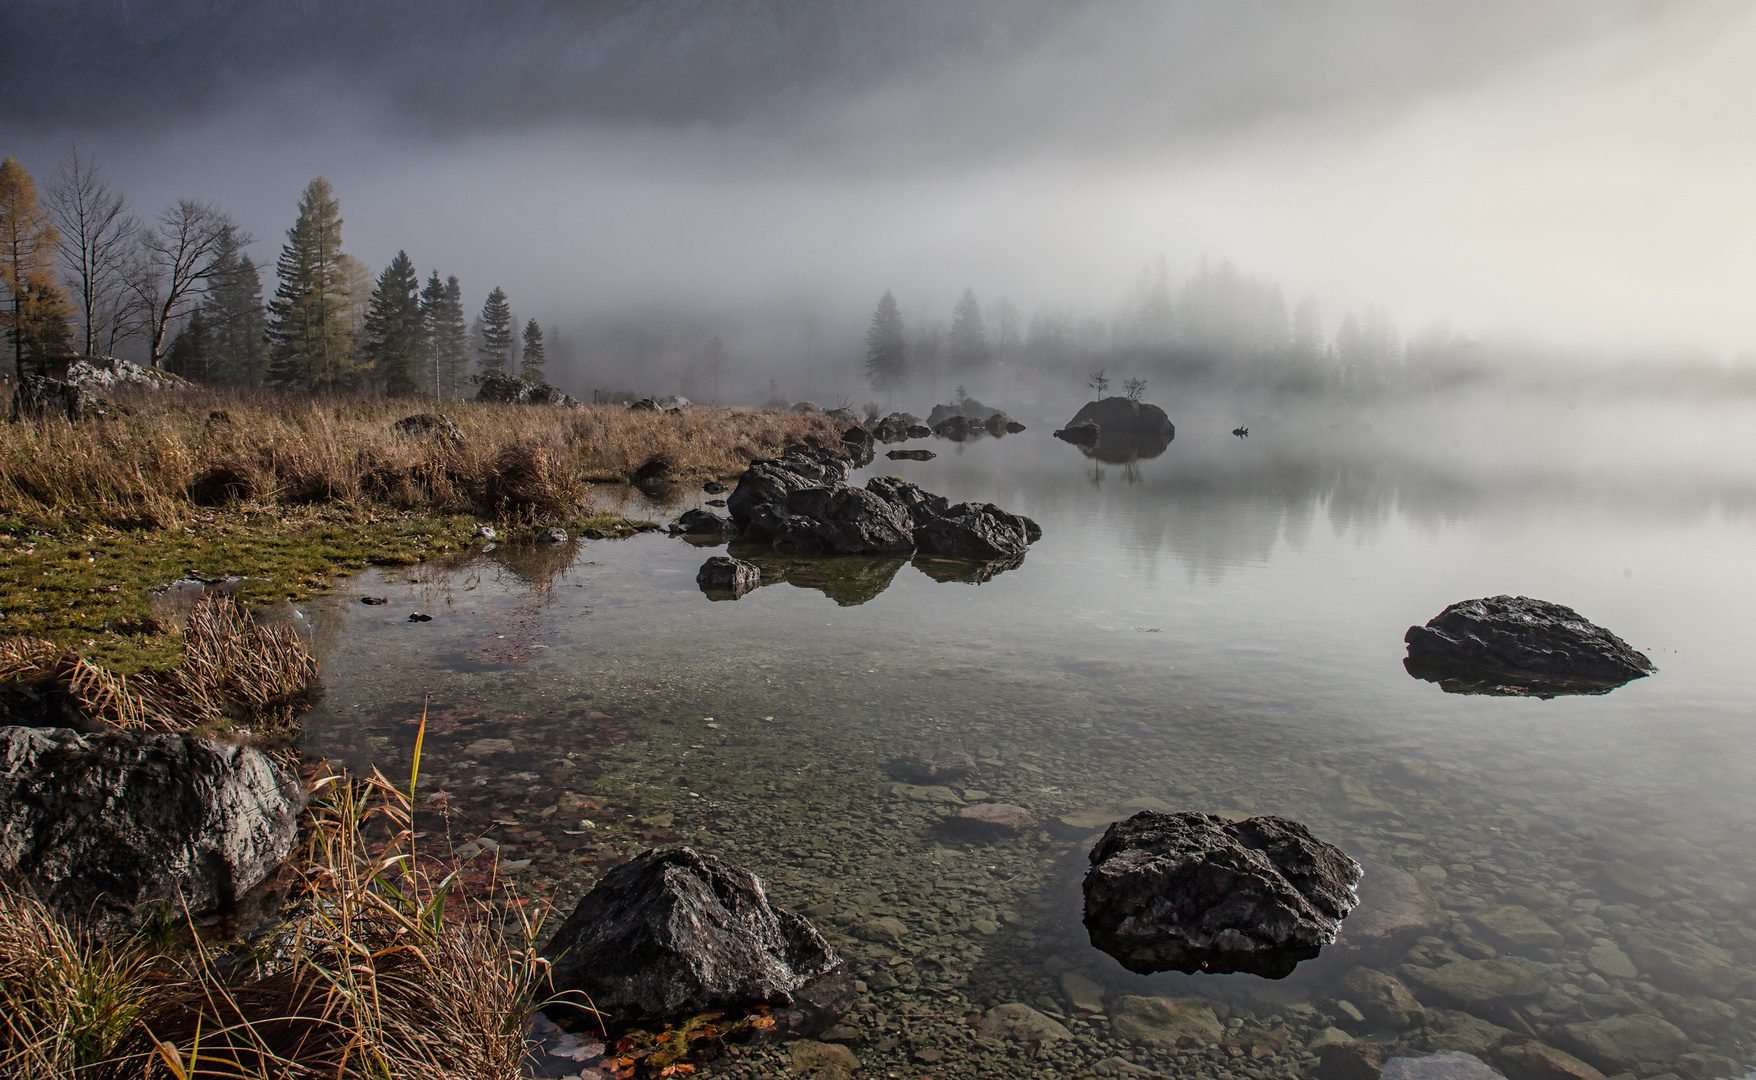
[1215, 628]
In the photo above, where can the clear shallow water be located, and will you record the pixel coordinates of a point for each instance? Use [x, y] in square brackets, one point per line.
[1217, 628]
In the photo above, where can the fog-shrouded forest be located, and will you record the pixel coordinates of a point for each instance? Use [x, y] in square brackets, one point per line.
[860, 201]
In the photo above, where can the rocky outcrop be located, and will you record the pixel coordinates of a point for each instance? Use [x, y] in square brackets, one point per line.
[969, 409]
[1193, 892]
[859, 445]
[894, 428]
[1124, 416]
[99, 825]
[1514, 645]
[674, 933]
[94, 373]
[428, 425]
[724, 574]
[39, 397]
[1079, 434]
[503, 389]
[801, 503]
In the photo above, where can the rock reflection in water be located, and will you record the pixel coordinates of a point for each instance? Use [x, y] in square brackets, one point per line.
[1125, 448]
[852, 580]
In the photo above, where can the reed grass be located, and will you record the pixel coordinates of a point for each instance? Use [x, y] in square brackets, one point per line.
[177, 450]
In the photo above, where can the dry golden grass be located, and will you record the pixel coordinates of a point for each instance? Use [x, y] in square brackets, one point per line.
[514, 462]
[382, 972]
[231, 667]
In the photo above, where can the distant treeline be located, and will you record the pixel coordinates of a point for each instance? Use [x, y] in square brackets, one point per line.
[81, 275]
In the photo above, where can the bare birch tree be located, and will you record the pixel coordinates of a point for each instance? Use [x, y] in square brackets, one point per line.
[175, 258]
[97, 240]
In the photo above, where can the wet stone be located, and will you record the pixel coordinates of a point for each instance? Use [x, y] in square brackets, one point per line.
[1383, 999]
[1475, 982]
[1021, 1023]
[931, 766]
[1444, 1065]
[998, 819]
[1518, 926]
[823, 1061]
[1634, 879]
[1611, 962]
[934, 793]
[1082, 992]
[1539, 1061]
[1623, 1042]
[1162, 1021]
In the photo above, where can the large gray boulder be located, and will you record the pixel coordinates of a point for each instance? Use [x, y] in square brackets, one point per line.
[674, 933]
[836, 521]
[1514, 645]
[768, 481]
[980, 531]
[1124, 416]
[1194, 892]
[39, 397]
[99, 825]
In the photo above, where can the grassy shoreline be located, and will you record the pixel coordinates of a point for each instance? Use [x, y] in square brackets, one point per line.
[293, 491]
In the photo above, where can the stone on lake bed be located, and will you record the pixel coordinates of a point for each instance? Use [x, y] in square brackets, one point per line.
[1163, 1021]
[1623, 1042]
[488, 747]
[931, 766]
[823, 1061]
[882, 928]
[1079, 824]
[1394, 906]
[1444, 1065]
[1611, 962]
[1540, 1061]
[1519, 927]
[930, 793]
[1383, 999]
[1193, 892]
[994, 818]
[1630, 878]
[1515, 645]
[1082, 992]
[724, 574]
[1477, 982]
[1022, 1023]
[1689, 966]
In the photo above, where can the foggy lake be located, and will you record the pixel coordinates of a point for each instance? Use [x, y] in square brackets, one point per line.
[1217, 628]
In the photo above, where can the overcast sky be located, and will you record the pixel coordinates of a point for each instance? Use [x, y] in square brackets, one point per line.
[1576, 171]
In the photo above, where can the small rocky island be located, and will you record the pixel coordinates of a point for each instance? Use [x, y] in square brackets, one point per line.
[1519, 647]
[1117, 430]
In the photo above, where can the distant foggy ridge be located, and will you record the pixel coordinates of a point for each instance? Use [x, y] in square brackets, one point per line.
[473, 60]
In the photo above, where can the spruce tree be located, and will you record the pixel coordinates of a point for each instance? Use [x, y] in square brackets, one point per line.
[531, 360]
[311, 341]
[395, 332]
[451, 340]
[432, 316]
[886, 347]
[193, 354]
[496, 332]
[969, 337]
[237, 321]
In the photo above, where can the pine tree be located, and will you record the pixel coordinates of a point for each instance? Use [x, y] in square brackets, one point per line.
[239, 325]
[35, 312]
[192, 355]
[395, 334]
[432, 316]
[969, 337]
[886, 346]
[496, 332]
[531, 360]
[310, 338]
[451, 340]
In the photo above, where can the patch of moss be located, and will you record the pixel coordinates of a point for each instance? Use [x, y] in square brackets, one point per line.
[86, 587]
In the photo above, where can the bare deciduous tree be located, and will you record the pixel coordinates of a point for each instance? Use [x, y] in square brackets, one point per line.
[96, 242]
[175, 258]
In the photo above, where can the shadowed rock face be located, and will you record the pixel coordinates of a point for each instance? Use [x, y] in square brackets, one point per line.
[1513, 645]
[100, 824]
[724, 578]
[674, 933]
[1193, 892]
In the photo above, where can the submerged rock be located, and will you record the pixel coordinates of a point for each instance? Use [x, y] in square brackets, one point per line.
[910, 455]
[1514, 645]
[724, 574]
[674, 933]
[1079, 434]
[931, 766]
[99, 825]
[1193, 892]
[703, 523]
[1162, 1021]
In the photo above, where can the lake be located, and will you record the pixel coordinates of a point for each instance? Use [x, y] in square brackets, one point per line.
[1216, 628]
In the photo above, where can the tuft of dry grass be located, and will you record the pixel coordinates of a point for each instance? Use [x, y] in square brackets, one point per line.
[198, 447]
[230, 667]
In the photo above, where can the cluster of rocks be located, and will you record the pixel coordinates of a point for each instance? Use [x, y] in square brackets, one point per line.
[898, 427]
[39, 397]
[673, 405]
[499, 388]
[1517, 646]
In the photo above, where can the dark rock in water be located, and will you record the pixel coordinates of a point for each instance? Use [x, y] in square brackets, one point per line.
[816, 1007]
[992, 819]
[1193, 892]
[1514, 645]
[768, 481]
[1124, 416]
[724, 574]
[958, 428]
[419, 616]
[101, 824]
[1000, 424]
[714, 487]
[428, 424]
[891, 429]
[922, 505]
[838, 521]
[716, 502]
[931, 766]
[674, 933]
[969, 409]
[919, 431]
[704, 523]
[857, 441]
[910, 455]
[1079, 434]
[554, 534]
[977, 531]
[849, 580]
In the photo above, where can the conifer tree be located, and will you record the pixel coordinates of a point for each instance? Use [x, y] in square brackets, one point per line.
[394, 331]
[496, 332]
[451, 340]
[35, 312]
[532, 359]
[192, 354]
[886, 346]
[238, 323]
[440, 333]
[969, 336]
[311, 342]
